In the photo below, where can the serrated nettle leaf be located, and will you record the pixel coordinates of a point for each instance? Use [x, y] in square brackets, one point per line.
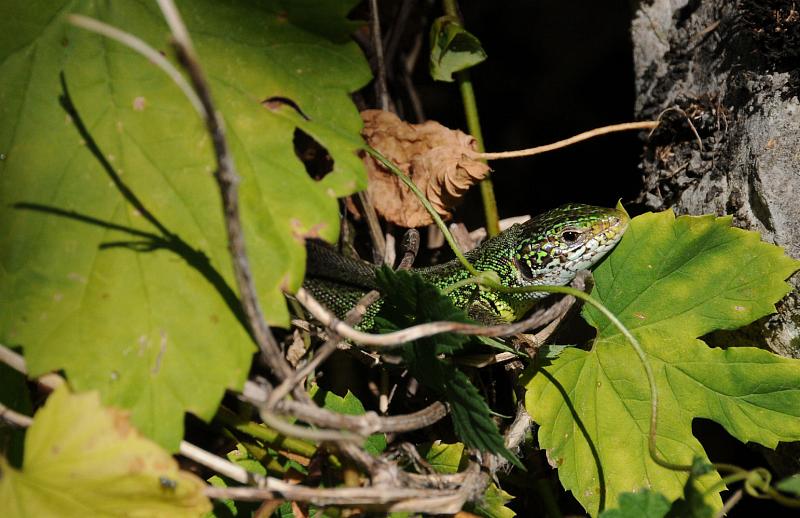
[410, 300]
[669, 281]
[113, 256]
[82, 459]
[453, 49]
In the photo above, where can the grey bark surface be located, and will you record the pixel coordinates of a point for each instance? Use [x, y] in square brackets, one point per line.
[728, 75]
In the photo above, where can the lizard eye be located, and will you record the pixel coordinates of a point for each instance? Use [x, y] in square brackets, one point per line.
[570, 236]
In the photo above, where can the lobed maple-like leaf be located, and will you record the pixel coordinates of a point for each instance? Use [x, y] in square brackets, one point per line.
[669, 281]
[113, 255]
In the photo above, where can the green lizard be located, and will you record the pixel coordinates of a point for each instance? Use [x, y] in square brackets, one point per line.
[547, 249]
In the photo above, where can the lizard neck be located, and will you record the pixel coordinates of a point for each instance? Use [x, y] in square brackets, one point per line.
[496, 254]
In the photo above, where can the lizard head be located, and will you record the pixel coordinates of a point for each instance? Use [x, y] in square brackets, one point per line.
[555, 245]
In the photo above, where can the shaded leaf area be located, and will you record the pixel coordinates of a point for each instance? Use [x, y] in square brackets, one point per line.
[83, 459]
[790, 485]
[693, 504]
[410, 301]
[14, 395]
[113, 256]
[645, 504]
[669, 281]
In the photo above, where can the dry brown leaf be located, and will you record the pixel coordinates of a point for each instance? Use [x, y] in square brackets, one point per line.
[436, 159]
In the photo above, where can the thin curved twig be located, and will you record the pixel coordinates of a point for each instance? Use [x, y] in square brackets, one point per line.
[398, 338]
[136, 44]
[14, 418]
[228, 182]
[352, 317]
[586, 135]
[364, 424]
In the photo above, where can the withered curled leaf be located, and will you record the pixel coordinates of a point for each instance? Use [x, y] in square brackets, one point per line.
[436, 158]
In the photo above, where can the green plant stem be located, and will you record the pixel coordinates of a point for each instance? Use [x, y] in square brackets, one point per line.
[474, 128]
[268, 435]
[262, 455]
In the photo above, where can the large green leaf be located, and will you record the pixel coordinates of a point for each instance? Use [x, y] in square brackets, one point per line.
[670, 281]
[113, 260]
[85, 460]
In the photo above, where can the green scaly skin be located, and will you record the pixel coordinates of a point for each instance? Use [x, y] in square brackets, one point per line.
[549, 249]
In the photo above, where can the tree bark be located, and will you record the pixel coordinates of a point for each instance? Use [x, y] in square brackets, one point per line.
[725, 77]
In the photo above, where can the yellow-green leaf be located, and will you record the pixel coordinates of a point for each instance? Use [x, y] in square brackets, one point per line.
[82, 459]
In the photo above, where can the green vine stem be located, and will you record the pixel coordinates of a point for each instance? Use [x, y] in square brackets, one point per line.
[474, 128]
[265, 434]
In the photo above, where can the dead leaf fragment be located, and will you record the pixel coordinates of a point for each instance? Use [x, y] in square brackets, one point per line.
[436, 159]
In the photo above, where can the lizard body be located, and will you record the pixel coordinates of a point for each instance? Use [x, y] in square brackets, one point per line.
[548, 249]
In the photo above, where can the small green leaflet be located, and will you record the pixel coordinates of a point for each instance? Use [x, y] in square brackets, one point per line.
[444, 457]
[493, 503]
[452, 49]
[410, 300]
[349, 405]
[669, 281]
[225, 508]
